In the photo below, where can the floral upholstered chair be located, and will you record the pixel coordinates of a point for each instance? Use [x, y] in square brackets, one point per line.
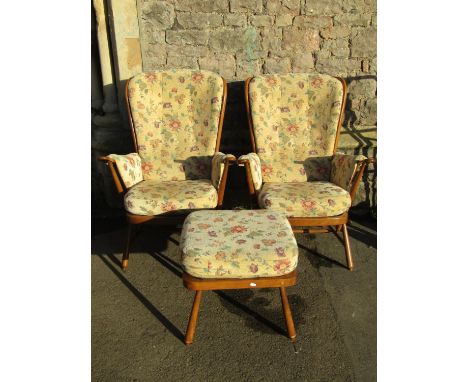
[176, 118]
[295, 122]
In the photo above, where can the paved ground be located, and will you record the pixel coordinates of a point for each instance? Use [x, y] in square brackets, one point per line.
[139, 316]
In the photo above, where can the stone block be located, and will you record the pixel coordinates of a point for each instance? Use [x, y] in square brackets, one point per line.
[188, 50]
[352, 19]
[335, 32]
[224, 64]
[273, 7]
[369, 112]
[301, 40]
[364, 44]
[187, 37]
[302, 62]
[261, 20]
[277, 65]
[160, 14]
[271, 38]
[151, 35]
[338, 66]
[246, 69]
[196, 20]
[202, 5]
[244, 6]
[235, 20]
[338, 48]
[365, 87]
[283, 20]
[183, 62]
[322, 7]
[233, 39]
[155, 54]
[293, 6]
[316, 22]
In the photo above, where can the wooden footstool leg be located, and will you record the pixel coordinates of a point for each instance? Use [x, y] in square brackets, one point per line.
[193, 318]
[287, 314]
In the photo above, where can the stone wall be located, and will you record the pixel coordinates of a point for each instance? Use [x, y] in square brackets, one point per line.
[241, 38]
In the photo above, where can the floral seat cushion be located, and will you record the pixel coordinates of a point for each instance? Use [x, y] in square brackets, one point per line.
[238, 244]
[305, 199]
[152, 197]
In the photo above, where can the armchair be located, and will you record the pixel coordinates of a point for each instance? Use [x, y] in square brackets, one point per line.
[295, 122]
[176, 118]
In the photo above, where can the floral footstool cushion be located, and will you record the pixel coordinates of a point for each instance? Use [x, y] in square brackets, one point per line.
[238, 244]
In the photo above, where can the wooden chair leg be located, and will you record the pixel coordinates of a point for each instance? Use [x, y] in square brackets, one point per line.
[126, 254]
[193, 318]
[338, 228]
[349, 258]
[287, 314]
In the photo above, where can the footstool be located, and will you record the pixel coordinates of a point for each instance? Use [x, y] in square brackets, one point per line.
[237, 250]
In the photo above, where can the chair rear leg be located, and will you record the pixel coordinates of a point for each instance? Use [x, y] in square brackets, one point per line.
[126, 253]
[349, 258]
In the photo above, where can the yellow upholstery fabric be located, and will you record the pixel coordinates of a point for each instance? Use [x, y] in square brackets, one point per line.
[237, 244]
[152, 197]
[129, 167]
[217, 167]
[255, 169]
[295, 117]
[343, 169]
[176, 117]
[305, 199]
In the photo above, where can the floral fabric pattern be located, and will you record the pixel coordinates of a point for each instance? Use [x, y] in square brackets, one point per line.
[238, 244]
[152, 197]
[295, 117]
[129, 167]
[217, 167]
[343, 169]
[176, 118]
[255, 169]
[305, 199]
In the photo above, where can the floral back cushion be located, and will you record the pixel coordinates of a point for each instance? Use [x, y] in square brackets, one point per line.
[295, 118]
[176, 118]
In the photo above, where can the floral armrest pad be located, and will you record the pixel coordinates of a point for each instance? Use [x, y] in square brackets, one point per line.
[343, 169]
[255, 169]
[217, 167]
[129, 167]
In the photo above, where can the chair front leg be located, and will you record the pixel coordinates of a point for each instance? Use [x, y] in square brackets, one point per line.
[126, 253]
[349, 258]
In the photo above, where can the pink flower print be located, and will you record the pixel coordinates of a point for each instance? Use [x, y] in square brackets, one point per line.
[191, 205]
[271, 217]
[268, 242]
[194, 148]
[281, 266]
[180, 98]
[220, 255]
[331, 202]
[267, 202]
[253, 268]
[212, 233]
[313, 152]
[168, 206]
[157, 124]
[215, 100]
[308, 204]
[175, 125]
[125, 167]
[284, 109]
[150, 77]
[271, 81]
[181, 80]
[197, 77]
[203, 226]
[218, 219]
[167, 105]
[266, 170]
[174, 90]
[210, 265]
[238, 229]
[292, 128]
[280, 252]
[300, 84]
[302, 171]
[256, 246]
[146, 167]
[316, 82]
[241, 241]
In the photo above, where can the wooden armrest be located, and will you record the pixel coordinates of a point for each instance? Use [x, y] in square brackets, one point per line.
[115, 175]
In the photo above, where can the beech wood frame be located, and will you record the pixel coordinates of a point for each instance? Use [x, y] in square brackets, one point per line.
[170, 219]
[326, 224]
[198, 285]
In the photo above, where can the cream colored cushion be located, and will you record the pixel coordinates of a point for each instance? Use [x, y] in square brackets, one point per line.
[343, 169]
[152, 197]
[218, 167]
[295, 117]
[176, 117]
[255, 169]
[129, 167]
[305, 199]
[238, 244]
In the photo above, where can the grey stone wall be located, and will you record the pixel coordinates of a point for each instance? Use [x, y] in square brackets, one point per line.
[241, 38]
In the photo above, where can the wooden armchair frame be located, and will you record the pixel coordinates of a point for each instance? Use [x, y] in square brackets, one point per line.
[299, 224]
[170, 219]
